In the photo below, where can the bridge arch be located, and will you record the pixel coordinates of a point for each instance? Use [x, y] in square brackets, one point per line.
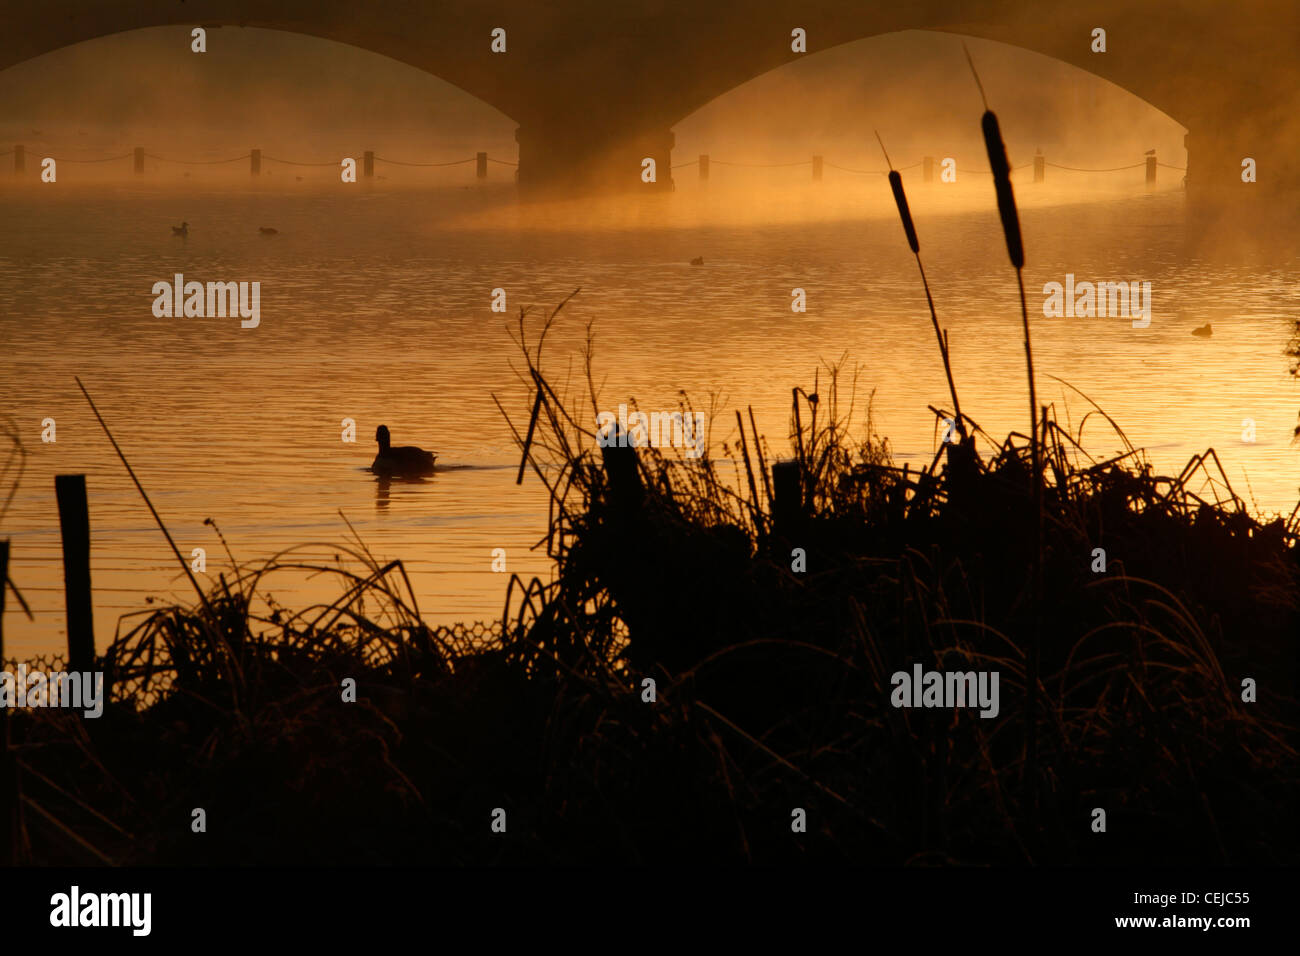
[597, 86]
[943, 95]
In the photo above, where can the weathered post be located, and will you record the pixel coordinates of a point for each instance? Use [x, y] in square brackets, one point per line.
[817, 169]
[255, 162]
[1040, 167]
[704, 166]
[20, 159]
[480, 165]
[787, 500]
[368, 164]
[1151, 168]
[139, 159]
[927, 169]
[74, 522]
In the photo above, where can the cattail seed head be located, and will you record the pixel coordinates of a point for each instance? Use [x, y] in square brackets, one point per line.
[896, 184]
[1001, 170]
[997, 150]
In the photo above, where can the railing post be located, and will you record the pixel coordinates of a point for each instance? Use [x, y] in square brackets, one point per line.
[74, 522]
[817, 169]
[480, 166]
[1040, 167]
[20, 159]
[255, 162]
[927, 169]
[139, 159]
[1151, 169]
[368, 163]
[787, 500]
[704, 165]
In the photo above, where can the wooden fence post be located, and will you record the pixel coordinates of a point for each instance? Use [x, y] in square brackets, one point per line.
[480, 166]
[74, 521]
[817, 169]
[255, 162]
[704, 165]
[787, 499]
[139, 159]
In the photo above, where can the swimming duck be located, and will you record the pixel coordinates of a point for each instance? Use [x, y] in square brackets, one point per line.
[182, 230]
[1203, 331]
[407, 460]
[697, 261]
[268, 231]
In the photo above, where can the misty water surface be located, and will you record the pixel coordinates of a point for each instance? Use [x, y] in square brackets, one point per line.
[375, 306]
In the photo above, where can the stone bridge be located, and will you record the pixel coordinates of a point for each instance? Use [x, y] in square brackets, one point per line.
[597, 86]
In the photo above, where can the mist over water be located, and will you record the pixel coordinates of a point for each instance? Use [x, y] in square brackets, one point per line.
[375, 297]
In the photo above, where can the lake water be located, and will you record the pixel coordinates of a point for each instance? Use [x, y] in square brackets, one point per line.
[375, 306]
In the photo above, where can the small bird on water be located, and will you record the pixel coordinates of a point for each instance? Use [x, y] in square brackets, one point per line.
[697, 261]
[182, 230]
[1204, 331]
[268, 231]
[406, 460]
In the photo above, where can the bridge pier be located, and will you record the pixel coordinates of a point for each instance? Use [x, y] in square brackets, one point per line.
[570, 161]
[1219, 202]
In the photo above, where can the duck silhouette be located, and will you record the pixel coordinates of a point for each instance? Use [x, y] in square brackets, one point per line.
[268, 231]
[407, 460]
[182, 230]
[697, 261]
[1203, 332]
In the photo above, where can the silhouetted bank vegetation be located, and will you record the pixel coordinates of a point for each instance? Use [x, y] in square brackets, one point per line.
[772, 684]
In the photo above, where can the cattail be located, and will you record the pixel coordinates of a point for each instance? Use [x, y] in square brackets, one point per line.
[900, 198]
[896, 184]
[1001, 169]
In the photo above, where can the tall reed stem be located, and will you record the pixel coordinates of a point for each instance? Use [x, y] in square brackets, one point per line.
[1036, 580]
[943, 350]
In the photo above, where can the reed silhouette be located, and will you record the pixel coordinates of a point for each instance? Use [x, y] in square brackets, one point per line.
[1125, 611]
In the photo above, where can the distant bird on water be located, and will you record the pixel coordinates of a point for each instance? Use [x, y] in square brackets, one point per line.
[182, 230]
[268, 231]
[1204, 331]
[697, 261]
[407, 460]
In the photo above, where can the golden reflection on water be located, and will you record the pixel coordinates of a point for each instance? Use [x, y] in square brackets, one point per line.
[376, 307]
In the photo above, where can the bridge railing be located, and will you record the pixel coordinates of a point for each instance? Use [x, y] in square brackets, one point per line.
[704, 164]
[928, 164]
[255, 157]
